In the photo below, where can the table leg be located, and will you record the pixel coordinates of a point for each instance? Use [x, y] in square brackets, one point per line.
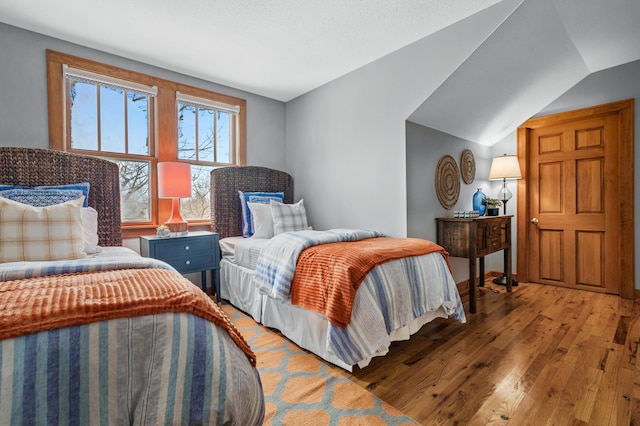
[481, 273]
[203, 280]
[215, 274]
[472, 285]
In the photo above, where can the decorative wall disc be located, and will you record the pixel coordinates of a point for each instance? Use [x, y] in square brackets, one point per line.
[467, 166]
[447, 181]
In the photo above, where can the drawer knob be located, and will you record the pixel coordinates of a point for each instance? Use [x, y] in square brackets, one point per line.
[188, 262]
[187, 247]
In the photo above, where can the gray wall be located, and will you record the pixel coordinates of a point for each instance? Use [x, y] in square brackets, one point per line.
[346, 142]
[425, 147]
[23, 95]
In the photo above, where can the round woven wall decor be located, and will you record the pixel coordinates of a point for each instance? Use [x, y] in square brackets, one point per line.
[467, 166]
[447, 181]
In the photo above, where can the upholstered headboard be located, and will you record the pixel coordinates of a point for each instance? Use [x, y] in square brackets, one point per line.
[35, 167]
[225, 202]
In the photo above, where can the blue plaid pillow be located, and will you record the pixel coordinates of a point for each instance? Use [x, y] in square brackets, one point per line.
[82, 186]
[255, 197]
[41, 197]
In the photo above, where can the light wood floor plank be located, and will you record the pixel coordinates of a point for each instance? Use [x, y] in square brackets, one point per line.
[539, 355]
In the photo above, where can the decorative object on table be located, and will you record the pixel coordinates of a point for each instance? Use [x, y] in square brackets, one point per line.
[466, 214]
[163, 231]
[174, 181]
[493, 206]
[505, 167]
[478, 201]
[467, 166]
[447, 181]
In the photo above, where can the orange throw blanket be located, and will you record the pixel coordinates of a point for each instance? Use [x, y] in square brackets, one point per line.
[47, 303]
[328, 275]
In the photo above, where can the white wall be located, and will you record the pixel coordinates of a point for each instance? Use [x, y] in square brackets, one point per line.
[346, 143]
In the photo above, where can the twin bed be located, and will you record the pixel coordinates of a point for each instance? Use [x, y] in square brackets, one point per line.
[91, 332]
[394, 298]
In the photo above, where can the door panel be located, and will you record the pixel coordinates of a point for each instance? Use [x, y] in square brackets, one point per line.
[571, 189]
[550, 250]
[590, 258]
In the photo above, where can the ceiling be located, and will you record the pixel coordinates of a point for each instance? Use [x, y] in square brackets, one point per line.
[277, 48]
[282, 49]
[541, 50]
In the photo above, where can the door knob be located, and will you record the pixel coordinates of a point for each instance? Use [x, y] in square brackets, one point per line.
[535, 221]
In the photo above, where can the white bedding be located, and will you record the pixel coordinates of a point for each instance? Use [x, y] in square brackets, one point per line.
[367, 335]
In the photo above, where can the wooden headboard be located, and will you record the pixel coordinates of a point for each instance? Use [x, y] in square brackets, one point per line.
[225, 202]
[35, 167]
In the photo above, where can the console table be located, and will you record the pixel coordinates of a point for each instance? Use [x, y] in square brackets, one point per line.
[475, 238]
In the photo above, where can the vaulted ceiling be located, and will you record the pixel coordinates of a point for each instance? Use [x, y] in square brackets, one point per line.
[284, 48]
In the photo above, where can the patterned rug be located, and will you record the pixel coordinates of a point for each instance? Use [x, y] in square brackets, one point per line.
[299, 389]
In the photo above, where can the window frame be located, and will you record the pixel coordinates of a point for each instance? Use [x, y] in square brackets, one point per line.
[163, 133]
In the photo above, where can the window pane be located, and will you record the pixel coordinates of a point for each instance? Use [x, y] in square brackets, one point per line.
[224, 138]
[205, 134]
[138, 123]
[112, 119]
[197, 207]
[83, 110]
[186, 132]
[135, 193]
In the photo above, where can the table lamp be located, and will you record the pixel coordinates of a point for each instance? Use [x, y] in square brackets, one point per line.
[505, 167]
[174, 181]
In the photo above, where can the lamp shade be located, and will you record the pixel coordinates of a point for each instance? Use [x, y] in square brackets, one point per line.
[174, 180]
[505, 167]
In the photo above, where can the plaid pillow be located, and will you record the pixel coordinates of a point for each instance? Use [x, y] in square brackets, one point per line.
[288, 217]
[30, 233]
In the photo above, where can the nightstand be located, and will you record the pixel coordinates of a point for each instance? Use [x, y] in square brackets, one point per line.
[475, 238]
[194, 252]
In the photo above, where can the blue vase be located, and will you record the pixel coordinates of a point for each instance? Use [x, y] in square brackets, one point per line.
[478, 201]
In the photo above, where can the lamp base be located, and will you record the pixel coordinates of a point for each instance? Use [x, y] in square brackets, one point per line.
[503, 281]
[179, 228]
[176, 224]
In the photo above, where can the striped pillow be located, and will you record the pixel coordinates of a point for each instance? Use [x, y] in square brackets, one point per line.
[288, 217]
[30, 233]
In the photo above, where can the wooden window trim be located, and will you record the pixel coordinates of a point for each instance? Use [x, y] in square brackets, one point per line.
[164, 129]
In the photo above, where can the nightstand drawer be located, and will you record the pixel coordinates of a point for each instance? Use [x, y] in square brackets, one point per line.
[191, 263]
[180, 248]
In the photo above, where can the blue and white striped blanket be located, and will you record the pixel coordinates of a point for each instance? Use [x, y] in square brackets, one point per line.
[276, 263]
[393, 301]
[121, 258]
[167, 368]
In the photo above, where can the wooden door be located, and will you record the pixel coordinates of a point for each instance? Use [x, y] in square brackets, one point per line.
[575, 203]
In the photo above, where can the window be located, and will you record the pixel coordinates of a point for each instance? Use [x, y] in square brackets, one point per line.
[139, 120]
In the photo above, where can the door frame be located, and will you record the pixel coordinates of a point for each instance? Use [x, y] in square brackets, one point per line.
[624, 109]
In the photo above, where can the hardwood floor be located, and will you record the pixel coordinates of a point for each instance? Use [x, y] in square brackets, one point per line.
[540, 355]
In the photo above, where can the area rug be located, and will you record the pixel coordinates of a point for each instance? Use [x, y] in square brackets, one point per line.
[299, 389]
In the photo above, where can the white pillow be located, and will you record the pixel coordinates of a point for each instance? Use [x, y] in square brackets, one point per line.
[288, 217]
[262, 221]
[30, 233]
[90, 230]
